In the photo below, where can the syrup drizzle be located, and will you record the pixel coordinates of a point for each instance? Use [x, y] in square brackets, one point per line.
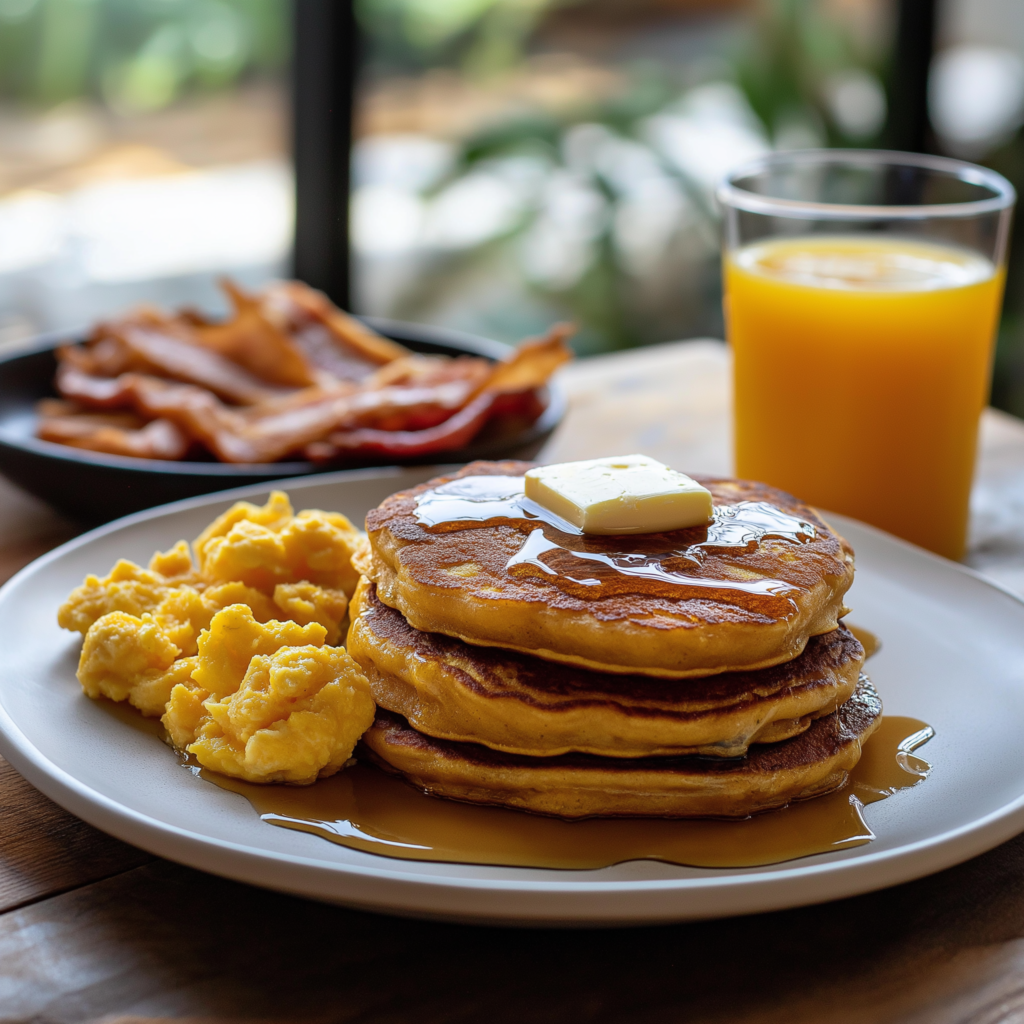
[476, 501]
[641, 566]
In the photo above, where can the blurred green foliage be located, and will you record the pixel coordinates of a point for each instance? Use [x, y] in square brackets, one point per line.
[793, 58]
[479, 37]
[136, 55]
[788, 60]
[611, 307]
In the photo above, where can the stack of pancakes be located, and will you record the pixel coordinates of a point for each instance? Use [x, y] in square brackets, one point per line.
[518, 662]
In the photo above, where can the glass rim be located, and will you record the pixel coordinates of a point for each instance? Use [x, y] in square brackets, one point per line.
[731, 195]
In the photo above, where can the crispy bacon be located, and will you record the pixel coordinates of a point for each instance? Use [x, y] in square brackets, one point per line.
[533, 362]
[116, 434]
[299, 305]
[180, 360]
[419, 371]
[261, 434]
[93, 392]
[144, 343]
[511, 388]
[253, 341]
[455, 432]
[183, 370]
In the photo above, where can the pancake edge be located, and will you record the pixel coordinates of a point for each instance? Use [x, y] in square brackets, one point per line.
[438, 698]
[578, 787]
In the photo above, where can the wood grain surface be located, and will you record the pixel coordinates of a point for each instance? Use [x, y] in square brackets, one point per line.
[44, 850]
[93, 930]
[163, 941]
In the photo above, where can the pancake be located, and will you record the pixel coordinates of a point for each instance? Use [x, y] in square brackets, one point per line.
[523, 705]
[469, 556]
[816, 762]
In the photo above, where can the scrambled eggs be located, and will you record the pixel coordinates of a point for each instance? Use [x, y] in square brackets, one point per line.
[232, 649]
[126, 657]
[269, 702]
[266, 546]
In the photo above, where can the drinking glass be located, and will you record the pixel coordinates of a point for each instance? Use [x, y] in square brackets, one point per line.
[862, 297]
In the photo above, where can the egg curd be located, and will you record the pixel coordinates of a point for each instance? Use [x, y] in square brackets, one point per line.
[268, 545]
[269, 702]
[233, 649]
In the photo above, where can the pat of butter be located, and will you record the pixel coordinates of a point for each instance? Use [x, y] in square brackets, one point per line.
[631, 494]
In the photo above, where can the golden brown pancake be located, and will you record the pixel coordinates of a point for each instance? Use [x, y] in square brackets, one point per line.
[463, 555]
[523, 705]
[580, 785]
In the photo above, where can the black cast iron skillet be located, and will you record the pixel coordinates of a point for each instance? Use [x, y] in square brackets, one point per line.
[94, 488]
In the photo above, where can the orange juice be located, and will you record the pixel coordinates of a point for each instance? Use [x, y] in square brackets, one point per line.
[861, 367]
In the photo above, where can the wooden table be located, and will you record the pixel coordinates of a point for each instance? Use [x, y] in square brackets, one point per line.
[92, 929]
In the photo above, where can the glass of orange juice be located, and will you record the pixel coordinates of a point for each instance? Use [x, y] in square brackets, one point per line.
[862, 296]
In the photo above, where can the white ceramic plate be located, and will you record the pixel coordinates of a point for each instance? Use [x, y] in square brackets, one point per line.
[953, 655]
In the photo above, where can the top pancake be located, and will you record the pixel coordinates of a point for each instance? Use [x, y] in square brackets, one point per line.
[746, 593]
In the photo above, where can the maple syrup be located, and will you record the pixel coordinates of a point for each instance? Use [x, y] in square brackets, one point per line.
[365, 809]
[868, 640]
[560, 549]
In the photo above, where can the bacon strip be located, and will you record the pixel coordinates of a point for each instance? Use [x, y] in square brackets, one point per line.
[193, 364]
[159, 439]
[510, 388]
[91, 391]
[453, 433]
[129, 347]
[253, 341]
[532, 363]
[420, 370]
[299, 302]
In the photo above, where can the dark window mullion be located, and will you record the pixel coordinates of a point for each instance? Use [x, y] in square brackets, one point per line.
[323, 77]
[909, 127]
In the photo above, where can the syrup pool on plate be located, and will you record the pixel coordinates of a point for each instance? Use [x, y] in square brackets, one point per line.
[861, 367]
[365, 809]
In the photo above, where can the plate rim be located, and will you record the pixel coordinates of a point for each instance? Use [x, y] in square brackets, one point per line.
[721, 892]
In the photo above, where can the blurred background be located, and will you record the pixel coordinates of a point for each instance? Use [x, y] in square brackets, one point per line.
[513, 162]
